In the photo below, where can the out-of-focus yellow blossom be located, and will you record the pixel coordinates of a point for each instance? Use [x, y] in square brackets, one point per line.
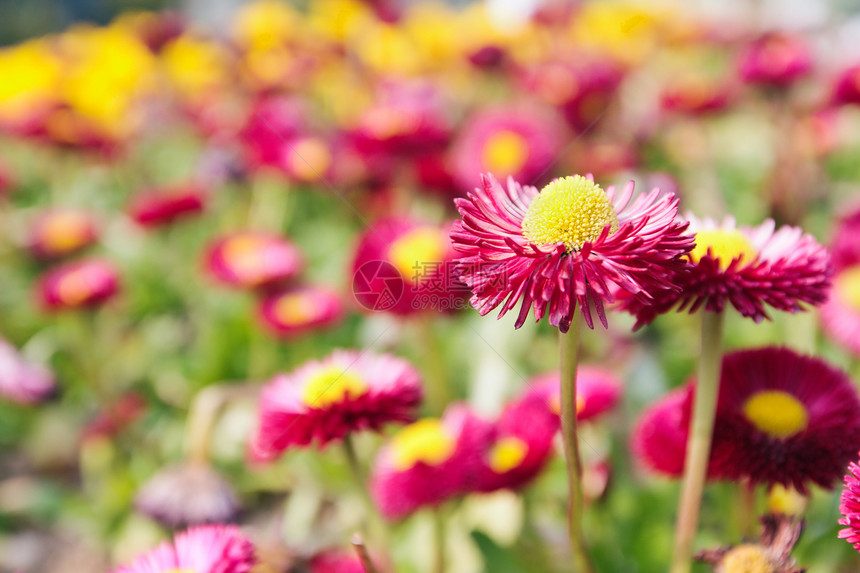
[479, 30]
[195, 67]
[329, 84]
[269, 68]
[30, 75]
[387, 48]
[107, 71]
[266, 24]
[628, 31]
[429, 25]
[337, 20]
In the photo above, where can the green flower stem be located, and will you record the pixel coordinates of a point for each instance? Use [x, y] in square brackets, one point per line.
[439, 562]
[436, 383]
[568, 350]
[373, 521]
[363, 555]
[747, 511]
[203, 414]
[699, 442]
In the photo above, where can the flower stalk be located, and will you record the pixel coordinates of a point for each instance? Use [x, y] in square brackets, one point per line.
[569, 348]
[699, 442]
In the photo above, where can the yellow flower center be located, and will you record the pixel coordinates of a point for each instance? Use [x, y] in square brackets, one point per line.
[310, 159]
[786, 500]
[847, 287]
[295, 308]
[415, 253]
[725, 245]
[245, 255]
[776, 413]
[505, 153]
[331, 385]
[507, 454]
[572, 210]
[746, 559]
[64, 232]
[426, 441]
[75, 287]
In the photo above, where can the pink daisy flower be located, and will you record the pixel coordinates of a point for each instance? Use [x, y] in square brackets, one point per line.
[784, 418]
[293, 312]
[86, 283]
[339, 562]
[430, 461]
[252, 259]
[597, 391]
[775, 59]
[570, 244]
[521, 446]
[404, 267]
[22, 381]
[850, 507]
[324, 400]
[58, 233]
[840, 315]
[659, 437]
[747, 267]
[847, 87]
[204, 549]
[518, 143]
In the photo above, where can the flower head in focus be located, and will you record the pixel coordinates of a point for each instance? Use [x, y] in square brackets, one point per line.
[747, 267]
[850, 506]
[325, 400]
[571, 244]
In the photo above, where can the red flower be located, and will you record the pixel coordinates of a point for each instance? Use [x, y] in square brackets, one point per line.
[520, 143]
[325, 400]
[163, 206]
[404, 267]
[747, 267]
[847, 87]
[252, 259]
[775, 59]
[784, 418]
[78, 284]
[296, 311]
[429, 462]
[571, 244]
[58, 233]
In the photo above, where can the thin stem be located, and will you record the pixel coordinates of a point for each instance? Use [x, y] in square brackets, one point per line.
[363, 555]
[436, 382]
[372, 518]
[438, 540]
[747, 513]
[699, 442]
[203, 414]
[568, 355]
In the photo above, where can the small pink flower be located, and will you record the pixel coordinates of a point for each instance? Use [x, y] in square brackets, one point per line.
[292, 312]
[775, 59]
[659, 438]
[507, 142]
[850, 507]
[86, 283]
[163, 206]
[429, 462]
[325, 400]
[597, 391]
[846, 90]
[22, 381]
[252, 259]
[339, 562]
[840, 315]
[203, 549]
[405, 267]
[58, 233]
[696, 95]
[572, 244]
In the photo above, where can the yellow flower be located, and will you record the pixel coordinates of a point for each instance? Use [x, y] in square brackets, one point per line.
[266, 24]
[31, 75]
[195, 66]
